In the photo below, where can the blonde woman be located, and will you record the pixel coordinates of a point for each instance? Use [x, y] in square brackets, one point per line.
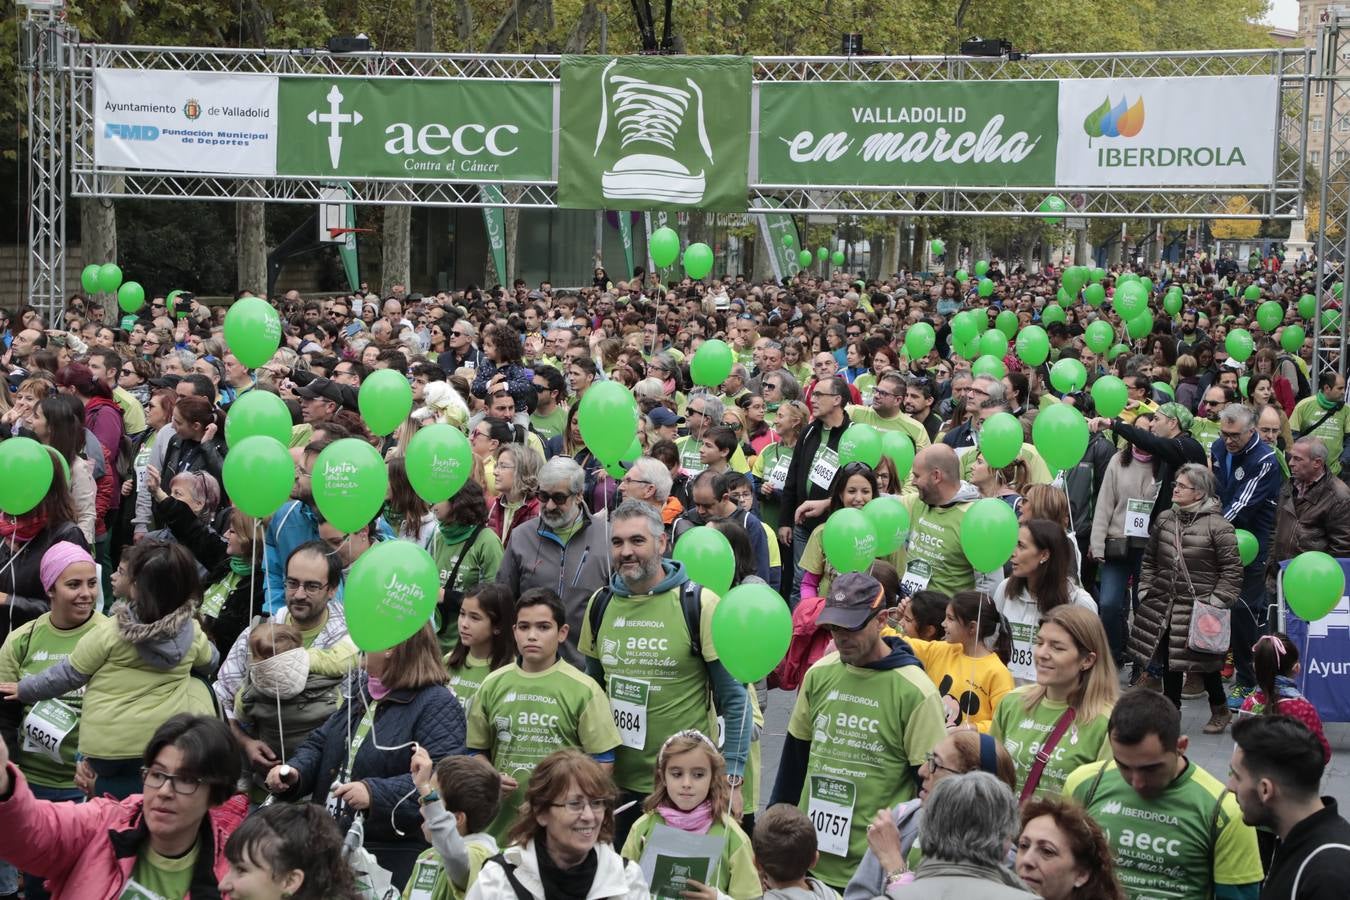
[771, 465]
[517, 473]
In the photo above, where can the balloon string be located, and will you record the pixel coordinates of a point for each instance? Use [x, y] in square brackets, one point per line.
[252, 591]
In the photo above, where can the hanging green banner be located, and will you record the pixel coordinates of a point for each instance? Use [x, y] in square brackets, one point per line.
[654, 132]
[776, 229]
[442, 129]
[626, 237]
[494, 220]
[922, 134]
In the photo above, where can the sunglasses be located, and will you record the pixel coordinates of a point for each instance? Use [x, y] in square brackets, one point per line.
[558, 498]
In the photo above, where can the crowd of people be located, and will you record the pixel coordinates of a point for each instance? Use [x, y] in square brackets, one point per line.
[185, 713]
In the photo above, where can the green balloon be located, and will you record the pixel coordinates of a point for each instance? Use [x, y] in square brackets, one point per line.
[994, 343]
[1338, 289]
[1006, 322]
[1068, 376]
[1060, 433]
[1164, 388]
[850, 542]
[59, 461]
[698, 261]
[822, 253]
[89, 278]
[1242, 385]
[1098, 336]
[258, 413]
[981, 267]
[860, 443]
[1052, 204]
[1000, 439]
[1062, 297]
[1033, 345]
[1073, 280]
[350, 484]
[985, 287]
[109, 277]
[1052, 313]
[989, 365]
[1291, 339]
[1313, 585]
[252, 331]
[899, 448]
[707, 557]
[258, 473]
[26, 473]
[989, 534]
[788, 240]
[1140, 326]
[1269, 315]
[1307, 306]
[385, 401]
[608, 419]
[619, 467]
[1094, 294]
[1095, 275]
[890, 521]
[962, 276]
[439, 461]
[1147, 283]
[837, 258]
[937, 247]
[1126, 277]
[130, 296]
[1239, 344]
[804, 259]
[919, 340]
[1110, 395]
[964, 327]
[1331, 320]
[390, 594]
[751, 630]
[663, 246]
[1253, 292]
[968, 350]
[711, 363]
[981, 317]
[1131, 299]
[1117, 350]
[1172, 302]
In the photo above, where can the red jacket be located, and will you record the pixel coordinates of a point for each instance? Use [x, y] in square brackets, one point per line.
[87, 851]
[809, 643]
[497, 516]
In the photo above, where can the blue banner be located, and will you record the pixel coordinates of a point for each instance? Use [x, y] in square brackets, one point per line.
[1324, 652]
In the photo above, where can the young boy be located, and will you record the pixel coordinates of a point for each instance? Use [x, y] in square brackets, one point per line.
[464, 798]
[537, 705]
[785, 849]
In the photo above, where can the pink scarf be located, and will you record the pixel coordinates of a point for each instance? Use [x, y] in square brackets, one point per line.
[376, 687]
[695, 821]
[1141, 456]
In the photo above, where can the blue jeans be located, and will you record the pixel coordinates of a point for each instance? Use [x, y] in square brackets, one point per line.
[32, 884]
[1116, 599]
[1249, 619]
[119, 777]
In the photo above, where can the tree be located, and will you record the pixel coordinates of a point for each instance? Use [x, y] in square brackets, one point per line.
[1236, 229]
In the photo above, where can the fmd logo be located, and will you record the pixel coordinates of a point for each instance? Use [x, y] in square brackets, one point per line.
[130, 132]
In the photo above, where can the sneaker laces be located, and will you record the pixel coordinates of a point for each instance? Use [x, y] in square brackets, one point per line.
[649, 112]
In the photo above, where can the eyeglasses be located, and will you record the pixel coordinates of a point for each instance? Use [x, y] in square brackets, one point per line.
[1181, 486]
[153, 779]
[1232, 435]
[577, 805]
[557, 498]
[311, 588]
[457, 333]
[771, 386]
[882, 392]
[934, 764]
[627, 480]
[824, 394]
[696, 412]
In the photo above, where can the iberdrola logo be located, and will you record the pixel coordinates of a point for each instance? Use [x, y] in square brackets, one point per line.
[1115, 121]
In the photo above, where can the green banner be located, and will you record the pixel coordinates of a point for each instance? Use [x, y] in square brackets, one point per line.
[654, 132]
[494, 219]
[782, 257]
[347, 252]
[625, 218]
[440, 129]
[928, 134]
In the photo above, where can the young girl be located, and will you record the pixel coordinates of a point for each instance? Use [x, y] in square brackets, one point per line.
[485, 640]
[971, 677]
[692, 795]
[854, 485]
[923, 615]
[1275, 660]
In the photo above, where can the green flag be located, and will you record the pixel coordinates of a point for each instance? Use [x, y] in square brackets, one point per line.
[654, 132]
[782, 257]
[626, 236]
[494, 219]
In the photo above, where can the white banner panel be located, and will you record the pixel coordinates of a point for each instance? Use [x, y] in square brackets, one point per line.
[1176, 132]
[185, 121]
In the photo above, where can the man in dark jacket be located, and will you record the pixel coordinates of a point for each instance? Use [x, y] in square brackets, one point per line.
[1313, 511]
[814, 462]
[1170, 443]
[1249, 477]
[1275, 772]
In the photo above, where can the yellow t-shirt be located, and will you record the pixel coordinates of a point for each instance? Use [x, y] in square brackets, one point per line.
[970, 687]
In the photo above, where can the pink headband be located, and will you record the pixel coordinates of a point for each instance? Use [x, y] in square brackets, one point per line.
[57, 558]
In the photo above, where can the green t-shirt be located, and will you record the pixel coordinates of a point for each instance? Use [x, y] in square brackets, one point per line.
[465, 680]
[866, 383]
[936, 561]
[50, 729]
[1023, 730]
[520, 717]
[1332, 431]
[430, 881]
[156, 876]
[867, 728]
[119, 680]
[693, 464]
[655, 684]
[1172, 845]
[771, 465]
[1207, 432]
[734, 871]
[481, 561]
[551, 424]
[898, 422]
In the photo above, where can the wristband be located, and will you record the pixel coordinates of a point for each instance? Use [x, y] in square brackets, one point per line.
[899, 877]
[429, 797]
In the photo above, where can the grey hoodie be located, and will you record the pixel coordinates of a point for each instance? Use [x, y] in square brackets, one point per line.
[815, 890]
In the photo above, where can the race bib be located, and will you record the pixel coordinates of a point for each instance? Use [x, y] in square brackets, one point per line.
[917, 576]
[628, 702]
[830, 808]
[823, 469]
[778, 475]
[422, 884]
[1137, 513]
[46, 726]
[691, 462]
